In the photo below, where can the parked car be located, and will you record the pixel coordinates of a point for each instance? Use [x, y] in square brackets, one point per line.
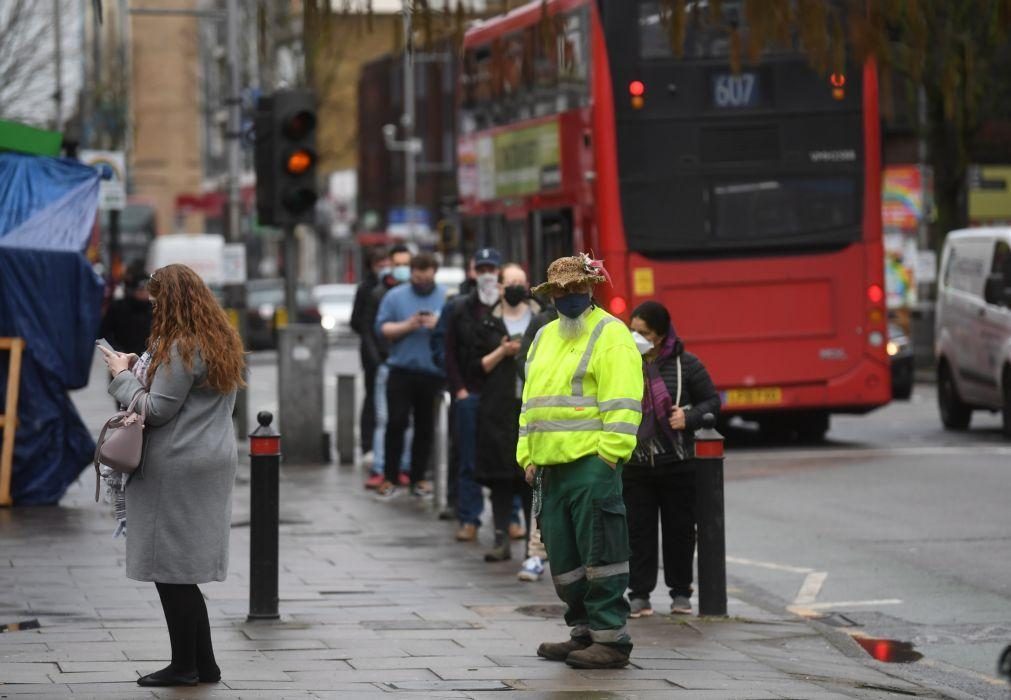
[451, 278]
[900, 350]
[265, 311]
[335, 303]
[973, 326]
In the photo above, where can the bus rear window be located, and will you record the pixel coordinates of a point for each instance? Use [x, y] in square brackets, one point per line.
[778, 208]
[704, 38]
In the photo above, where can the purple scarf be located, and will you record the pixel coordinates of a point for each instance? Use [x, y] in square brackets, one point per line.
[656, 400]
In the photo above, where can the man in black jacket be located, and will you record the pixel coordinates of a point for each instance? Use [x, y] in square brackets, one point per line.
[127, 321]
[378, 266]
[464, 375]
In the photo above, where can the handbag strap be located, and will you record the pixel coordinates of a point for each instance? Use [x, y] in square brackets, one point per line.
[133, 402]
[98, 453]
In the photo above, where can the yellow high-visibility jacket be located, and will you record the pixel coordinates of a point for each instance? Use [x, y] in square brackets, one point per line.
[582, 396]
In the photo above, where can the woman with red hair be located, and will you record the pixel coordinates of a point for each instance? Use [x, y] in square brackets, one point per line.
[178, 504]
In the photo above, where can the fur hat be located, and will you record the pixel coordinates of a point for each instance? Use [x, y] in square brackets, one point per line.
[569, 271]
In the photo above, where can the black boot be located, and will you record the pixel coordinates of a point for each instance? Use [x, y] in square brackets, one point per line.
[502, 551]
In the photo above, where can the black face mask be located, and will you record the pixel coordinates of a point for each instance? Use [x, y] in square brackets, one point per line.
[423, 289]
[514, 294]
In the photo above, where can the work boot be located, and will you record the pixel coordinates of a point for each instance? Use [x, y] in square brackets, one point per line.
[598, 656]
[559, 651]
[502, 550]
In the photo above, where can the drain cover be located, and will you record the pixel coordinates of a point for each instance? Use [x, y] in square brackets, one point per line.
[18, 626]
[549, 611]
[838, 620]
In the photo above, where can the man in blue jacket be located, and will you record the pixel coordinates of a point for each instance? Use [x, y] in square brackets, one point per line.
[407, 315]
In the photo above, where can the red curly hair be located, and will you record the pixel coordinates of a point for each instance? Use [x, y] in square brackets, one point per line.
[187, 316]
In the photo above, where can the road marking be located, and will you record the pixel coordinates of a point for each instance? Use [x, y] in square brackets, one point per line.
[754, 455]
[967, 672]
[811, 587]
[812, 609]
[769, 565]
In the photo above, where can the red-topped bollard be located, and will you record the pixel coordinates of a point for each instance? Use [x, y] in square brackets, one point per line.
[709, 519]
[264, 512]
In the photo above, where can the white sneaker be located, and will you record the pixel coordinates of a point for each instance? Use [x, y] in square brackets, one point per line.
[368, 459]
[532, 570]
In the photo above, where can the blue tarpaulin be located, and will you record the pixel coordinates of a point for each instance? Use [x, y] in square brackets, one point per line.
[50, 297]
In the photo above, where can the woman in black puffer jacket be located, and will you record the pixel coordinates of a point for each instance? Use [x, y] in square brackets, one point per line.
[658, 480]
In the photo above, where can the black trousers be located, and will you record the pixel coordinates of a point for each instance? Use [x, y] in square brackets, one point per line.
[410, 393]
[502, 494]
[189, 628]
[367, 419]
[655, 500]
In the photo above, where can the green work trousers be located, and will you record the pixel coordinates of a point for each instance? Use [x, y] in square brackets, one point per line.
[586, 534]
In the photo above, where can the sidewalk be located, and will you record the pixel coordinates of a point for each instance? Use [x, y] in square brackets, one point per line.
[376, 598]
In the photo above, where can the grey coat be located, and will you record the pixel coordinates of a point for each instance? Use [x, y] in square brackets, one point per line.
[179, 504]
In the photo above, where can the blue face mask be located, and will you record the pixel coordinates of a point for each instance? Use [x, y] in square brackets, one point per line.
[573, 305]
[402, 273]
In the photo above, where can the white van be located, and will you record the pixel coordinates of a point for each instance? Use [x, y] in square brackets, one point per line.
[973, 327]
[204, 252]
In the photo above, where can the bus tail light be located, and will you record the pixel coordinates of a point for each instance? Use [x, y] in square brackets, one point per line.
[876, 339]
[875, 294]
[838, 81]
[637, 89]
[876, 315]
[618, 305]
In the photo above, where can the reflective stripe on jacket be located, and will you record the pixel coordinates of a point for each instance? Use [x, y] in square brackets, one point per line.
[582, 396]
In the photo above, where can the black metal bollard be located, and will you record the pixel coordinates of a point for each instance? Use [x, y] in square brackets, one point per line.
[709, 517]
[264, 458]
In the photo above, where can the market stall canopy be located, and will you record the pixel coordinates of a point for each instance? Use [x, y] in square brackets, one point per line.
[50, 297]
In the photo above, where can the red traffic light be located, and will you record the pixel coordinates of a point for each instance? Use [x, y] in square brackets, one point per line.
[838, 80]
[299, 124]
[637, 88]
[300, 161]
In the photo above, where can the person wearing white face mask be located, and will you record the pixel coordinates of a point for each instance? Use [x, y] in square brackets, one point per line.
[465, 378]
[498, 344]
[658, 482]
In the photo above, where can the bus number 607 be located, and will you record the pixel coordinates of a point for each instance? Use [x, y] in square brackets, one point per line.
[734, 90]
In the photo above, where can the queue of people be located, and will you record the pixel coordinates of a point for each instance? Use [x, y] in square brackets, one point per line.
[579, 427]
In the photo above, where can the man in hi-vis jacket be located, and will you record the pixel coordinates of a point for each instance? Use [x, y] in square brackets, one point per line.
[582, 403]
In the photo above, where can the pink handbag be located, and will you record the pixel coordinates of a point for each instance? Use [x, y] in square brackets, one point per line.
[121, 442]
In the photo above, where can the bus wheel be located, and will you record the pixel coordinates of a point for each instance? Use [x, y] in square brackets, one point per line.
[955, 415]
[811, 427]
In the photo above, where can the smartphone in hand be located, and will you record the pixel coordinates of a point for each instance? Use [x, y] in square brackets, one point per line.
[103, 345]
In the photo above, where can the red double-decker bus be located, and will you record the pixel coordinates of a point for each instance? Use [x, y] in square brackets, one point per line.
[748, 202]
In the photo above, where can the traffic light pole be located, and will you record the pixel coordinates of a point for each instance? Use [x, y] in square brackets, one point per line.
[291, 274]
[407, 121]
[236, 293]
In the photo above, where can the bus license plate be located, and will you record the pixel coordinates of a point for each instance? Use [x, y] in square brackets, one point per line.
[765, 396]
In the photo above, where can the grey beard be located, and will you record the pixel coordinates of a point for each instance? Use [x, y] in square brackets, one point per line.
[571, 328]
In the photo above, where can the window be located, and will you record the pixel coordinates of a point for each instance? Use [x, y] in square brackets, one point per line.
[541, 70]
[1001, 258]
[704, 38]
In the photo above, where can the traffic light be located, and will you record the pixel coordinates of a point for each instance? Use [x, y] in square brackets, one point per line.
[285, 158]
